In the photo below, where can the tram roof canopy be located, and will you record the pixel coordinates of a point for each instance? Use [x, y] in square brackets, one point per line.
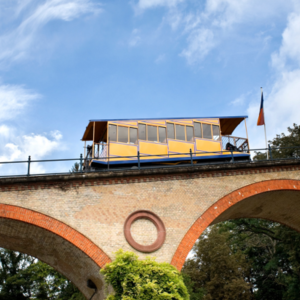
[227, 125]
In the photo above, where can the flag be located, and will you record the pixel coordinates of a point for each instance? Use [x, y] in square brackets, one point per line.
[261, 116]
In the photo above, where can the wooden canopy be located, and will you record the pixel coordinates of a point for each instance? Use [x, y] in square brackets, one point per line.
[228, 125]
[100, 130]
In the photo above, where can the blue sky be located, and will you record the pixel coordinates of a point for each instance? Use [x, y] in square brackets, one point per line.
[64, 62]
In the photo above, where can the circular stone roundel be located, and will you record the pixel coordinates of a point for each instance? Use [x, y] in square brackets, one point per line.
[160, 227]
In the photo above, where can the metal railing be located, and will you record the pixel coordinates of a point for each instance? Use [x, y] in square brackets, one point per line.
[235, 143]
[142, 161]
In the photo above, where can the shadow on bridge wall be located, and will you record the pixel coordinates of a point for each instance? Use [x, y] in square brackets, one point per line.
[54, 243]
[275, 200]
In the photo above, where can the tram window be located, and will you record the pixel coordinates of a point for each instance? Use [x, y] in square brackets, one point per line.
[216, 132]
[122, 134]
[142, 131]
[180, 134]
[207, 131]
[189, 133]
[133, 135]
[170, 131]
[152, 133]
[162, 134]
[112, 133]
[198, 129]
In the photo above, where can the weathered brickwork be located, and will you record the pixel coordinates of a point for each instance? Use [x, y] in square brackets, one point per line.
[88, 211]
[144, 232]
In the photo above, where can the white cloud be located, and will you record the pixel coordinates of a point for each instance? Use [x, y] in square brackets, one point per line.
[13, 100]
[4, 131]
[18, 148]
[16, 43]
[146, 4]
[200, 42]
[135, 38]
[282, 100]
[207, 24]
[239, 100]
[160, 59]
[290, 47]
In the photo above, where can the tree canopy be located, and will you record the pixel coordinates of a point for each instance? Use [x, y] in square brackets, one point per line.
[217, 270]
[284, 146]
[248, 258]
[25, 277]
[134, 279]
[245, 259]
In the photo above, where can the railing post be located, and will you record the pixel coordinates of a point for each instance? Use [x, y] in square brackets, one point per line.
[80, 164]
[232, 157]
[270, 151]
[191, 154]
[28, 170]
[139, 163]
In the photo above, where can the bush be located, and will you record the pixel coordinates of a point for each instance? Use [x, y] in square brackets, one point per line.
[143, 279]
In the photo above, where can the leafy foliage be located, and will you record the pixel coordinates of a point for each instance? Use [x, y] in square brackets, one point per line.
[75, 168]
[257, 258]
[143, 279]
[261, 254]
[284, 146]
[217, 270]
[25, 277]
[273, 254]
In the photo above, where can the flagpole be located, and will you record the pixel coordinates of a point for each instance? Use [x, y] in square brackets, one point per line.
[265, 130]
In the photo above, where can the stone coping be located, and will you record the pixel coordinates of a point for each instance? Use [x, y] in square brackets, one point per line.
[228, 168]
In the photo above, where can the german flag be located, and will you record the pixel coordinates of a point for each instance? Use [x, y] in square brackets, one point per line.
[261, 116]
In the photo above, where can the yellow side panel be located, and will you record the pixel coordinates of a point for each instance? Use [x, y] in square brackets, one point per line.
[210, 121]
[181, 147]
[209, 146]
[123, 123]
[181, 121]
[153, 148]
[154, 122]
[122, 150]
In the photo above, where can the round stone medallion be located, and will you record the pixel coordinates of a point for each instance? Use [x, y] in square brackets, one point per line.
[141, 243]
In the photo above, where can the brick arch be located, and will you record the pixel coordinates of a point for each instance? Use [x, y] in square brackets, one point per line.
[222, 205]
[57, 227]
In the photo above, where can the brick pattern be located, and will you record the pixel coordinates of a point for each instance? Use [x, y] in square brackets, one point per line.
[220, 206]
[141, 179]
[56, 227]
[143, 232]
[90, 210]
[53, 250]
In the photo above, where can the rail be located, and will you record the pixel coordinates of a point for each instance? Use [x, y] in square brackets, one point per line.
[256, 155]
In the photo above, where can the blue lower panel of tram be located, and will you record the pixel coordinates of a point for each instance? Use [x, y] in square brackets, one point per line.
[219, 158]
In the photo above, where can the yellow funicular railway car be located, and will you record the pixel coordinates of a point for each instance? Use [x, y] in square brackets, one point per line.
[117, 143]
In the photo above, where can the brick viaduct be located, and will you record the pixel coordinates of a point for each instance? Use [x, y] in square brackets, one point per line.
[76, 222]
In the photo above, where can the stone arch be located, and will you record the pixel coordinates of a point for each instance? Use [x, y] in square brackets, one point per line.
[55, 243]
[255, 200]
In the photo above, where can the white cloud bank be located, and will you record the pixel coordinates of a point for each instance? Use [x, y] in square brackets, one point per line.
[13, 100]
[282, 105]
[206, 25]
[146, 4]
[26, 23]
[15, 146]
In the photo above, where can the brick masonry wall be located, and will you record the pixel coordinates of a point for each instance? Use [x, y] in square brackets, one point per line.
[97, 206]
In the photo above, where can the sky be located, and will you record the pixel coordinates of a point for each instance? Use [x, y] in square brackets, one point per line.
[64, 62]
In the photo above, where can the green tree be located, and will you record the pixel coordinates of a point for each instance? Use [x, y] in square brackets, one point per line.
[273, 253]
[217, 270]
[25, 277]
[75, 168]
[143, 279]
[284, 146]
